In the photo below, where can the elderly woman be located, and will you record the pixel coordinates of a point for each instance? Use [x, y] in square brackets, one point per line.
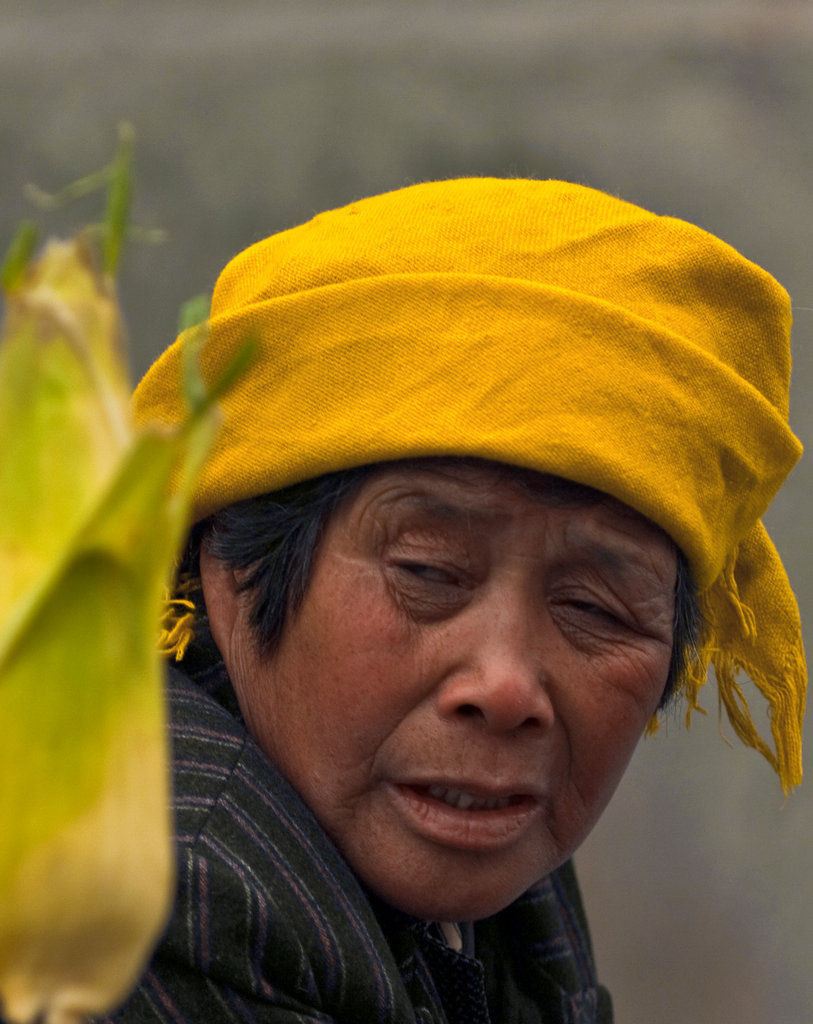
[486, 501]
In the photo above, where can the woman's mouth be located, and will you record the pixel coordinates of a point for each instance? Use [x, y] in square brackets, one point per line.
[457, 817]
[467, 801]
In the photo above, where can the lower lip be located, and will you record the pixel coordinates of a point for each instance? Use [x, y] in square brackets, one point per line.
[463, 829]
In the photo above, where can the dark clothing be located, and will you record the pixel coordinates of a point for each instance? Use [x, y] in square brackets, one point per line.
[271, 925]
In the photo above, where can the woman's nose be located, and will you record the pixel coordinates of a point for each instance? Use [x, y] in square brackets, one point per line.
[501, 676]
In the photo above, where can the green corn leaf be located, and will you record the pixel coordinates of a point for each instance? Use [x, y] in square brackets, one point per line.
[119, 197]
[19, 255]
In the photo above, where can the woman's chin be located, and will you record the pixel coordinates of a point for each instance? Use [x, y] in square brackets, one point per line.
[451, 901]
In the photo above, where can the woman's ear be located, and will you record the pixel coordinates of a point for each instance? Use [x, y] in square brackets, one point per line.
[224, 601]
[229, 611]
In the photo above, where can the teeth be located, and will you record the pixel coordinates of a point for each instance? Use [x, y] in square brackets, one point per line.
[466, 801]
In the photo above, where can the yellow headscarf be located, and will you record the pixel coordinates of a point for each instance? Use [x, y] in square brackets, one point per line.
[545, 325]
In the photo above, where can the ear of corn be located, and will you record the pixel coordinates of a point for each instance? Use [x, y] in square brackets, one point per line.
[93, 514]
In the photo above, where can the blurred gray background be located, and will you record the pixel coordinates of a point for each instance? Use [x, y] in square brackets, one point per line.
[253, 115]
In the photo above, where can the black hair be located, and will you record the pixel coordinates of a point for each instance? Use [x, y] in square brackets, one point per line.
[271, 540]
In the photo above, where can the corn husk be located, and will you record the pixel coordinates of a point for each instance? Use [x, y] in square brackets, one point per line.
[90, 528]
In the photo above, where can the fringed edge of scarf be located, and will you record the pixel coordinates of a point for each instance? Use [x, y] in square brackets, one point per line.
[730, 643]
[178, 618]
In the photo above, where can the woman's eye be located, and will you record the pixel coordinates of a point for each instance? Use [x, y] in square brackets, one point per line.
[427, 573]
[598, 613]
[589, 608]
[429, 593]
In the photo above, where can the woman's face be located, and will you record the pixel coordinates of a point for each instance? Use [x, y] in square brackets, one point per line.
[465, 682]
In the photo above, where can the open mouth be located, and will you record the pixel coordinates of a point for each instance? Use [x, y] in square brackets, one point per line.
[464, 801]
[466, 820]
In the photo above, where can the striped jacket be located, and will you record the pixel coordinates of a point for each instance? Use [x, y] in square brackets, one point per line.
[270, 924]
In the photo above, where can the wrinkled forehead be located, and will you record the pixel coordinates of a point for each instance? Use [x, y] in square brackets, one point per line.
[450, 485]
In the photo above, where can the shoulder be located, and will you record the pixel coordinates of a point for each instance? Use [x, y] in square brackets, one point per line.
[268, 917]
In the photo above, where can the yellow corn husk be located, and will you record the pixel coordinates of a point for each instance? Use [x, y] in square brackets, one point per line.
[90, 528]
